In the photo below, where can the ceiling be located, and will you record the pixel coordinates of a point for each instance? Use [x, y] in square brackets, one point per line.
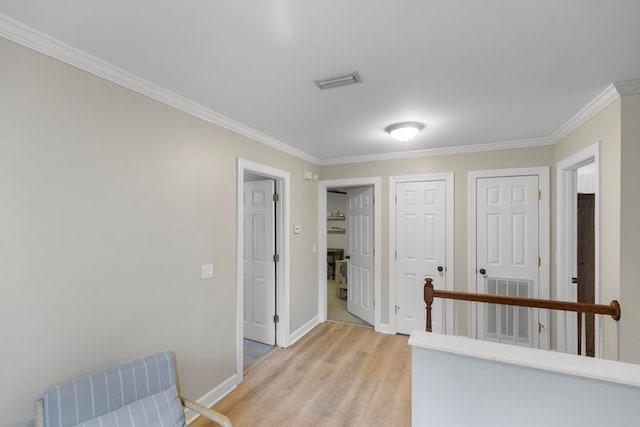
[475, 72]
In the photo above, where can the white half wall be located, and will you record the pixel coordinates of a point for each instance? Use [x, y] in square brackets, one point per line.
[457, 381]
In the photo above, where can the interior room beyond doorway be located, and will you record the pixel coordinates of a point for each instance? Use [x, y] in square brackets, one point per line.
[338, 258]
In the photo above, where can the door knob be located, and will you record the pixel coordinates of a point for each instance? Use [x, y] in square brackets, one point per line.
[482, 271]
[440, 268]
[347, 257]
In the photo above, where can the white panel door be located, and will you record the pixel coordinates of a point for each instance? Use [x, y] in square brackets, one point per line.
[507, 257]
[360, 254]
[259, 266]
[420, 252]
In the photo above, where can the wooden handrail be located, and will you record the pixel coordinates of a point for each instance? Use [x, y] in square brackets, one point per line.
[613, 309]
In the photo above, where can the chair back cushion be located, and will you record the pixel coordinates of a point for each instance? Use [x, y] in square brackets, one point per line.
[141, 392]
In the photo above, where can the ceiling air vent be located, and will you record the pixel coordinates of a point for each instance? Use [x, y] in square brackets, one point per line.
[337, 81]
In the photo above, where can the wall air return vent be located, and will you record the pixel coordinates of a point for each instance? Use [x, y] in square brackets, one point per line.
[337, 81]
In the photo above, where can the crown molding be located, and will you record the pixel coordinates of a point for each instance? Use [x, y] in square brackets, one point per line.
[596, 105]
[629, 87]
[461, 149]
[40, 42]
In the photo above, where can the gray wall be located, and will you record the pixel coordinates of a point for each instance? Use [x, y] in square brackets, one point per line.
[109, 204]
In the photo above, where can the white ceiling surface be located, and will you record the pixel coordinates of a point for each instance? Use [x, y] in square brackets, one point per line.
[473, 71]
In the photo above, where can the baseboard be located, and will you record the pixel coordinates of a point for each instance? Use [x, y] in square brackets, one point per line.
[384, 328]
[302, 330]
[213, 397]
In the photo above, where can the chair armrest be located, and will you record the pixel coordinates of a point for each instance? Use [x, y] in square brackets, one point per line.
[39, 413]
[206, 412]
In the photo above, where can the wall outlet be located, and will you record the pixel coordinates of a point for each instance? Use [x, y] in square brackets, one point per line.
[207, 271]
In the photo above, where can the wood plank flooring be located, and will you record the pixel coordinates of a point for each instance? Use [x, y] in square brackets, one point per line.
[337, 375]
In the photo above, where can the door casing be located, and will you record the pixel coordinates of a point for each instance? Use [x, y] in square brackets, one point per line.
[448, 178]
[323, 186]
[282, 243]
[566, 251]
[543, 235]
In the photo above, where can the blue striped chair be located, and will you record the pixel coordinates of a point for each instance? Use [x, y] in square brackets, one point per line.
[140, 393]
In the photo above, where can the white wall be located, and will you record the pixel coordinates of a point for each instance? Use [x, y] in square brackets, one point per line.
[109, 204]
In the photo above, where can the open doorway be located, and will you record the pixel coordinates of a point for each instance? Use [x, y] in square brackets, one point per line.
[578, 250]
[262, 287]
[585, 255]
[260, 218]
[349, 266]
[338, 257]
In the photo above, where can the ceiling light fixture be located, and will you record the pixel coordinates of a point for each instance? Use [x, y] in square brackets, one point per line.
[404, 131]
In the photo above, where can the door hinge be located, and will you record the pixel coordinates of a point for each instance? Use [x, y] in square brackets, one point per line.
[539, 261]
[539, 194]
[397, 308]
[276, 197]
[395, 255]
[276, 258]
[276, 318]
[396, 200]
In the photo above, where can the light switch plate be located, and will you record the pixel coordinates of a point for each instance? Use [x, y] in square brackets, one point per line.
[207, 271]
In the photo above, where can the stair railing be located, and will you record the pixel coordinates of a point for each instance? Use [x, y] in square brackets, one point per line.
[613, 309]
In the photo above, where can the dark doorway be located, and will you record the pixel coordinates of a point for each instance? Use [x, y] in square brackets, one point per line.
[586, 268]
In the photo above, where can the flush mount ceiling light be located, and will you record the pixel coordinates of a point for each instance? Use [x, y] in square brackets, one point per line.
[404, 131]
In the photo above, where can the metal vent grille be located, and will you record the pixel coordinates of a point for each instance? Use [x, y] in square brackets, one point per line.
[509, 324]
[340, 80]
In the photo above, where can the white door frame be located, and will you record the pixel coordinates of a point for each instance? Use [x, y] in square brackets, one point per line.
[566, 250]
[544, 249]
[323, 186]
[448, 178]
[282, 243]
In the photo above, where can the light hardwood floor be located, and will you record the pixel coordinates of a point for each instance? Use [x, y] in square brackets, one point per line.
[337, 375]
